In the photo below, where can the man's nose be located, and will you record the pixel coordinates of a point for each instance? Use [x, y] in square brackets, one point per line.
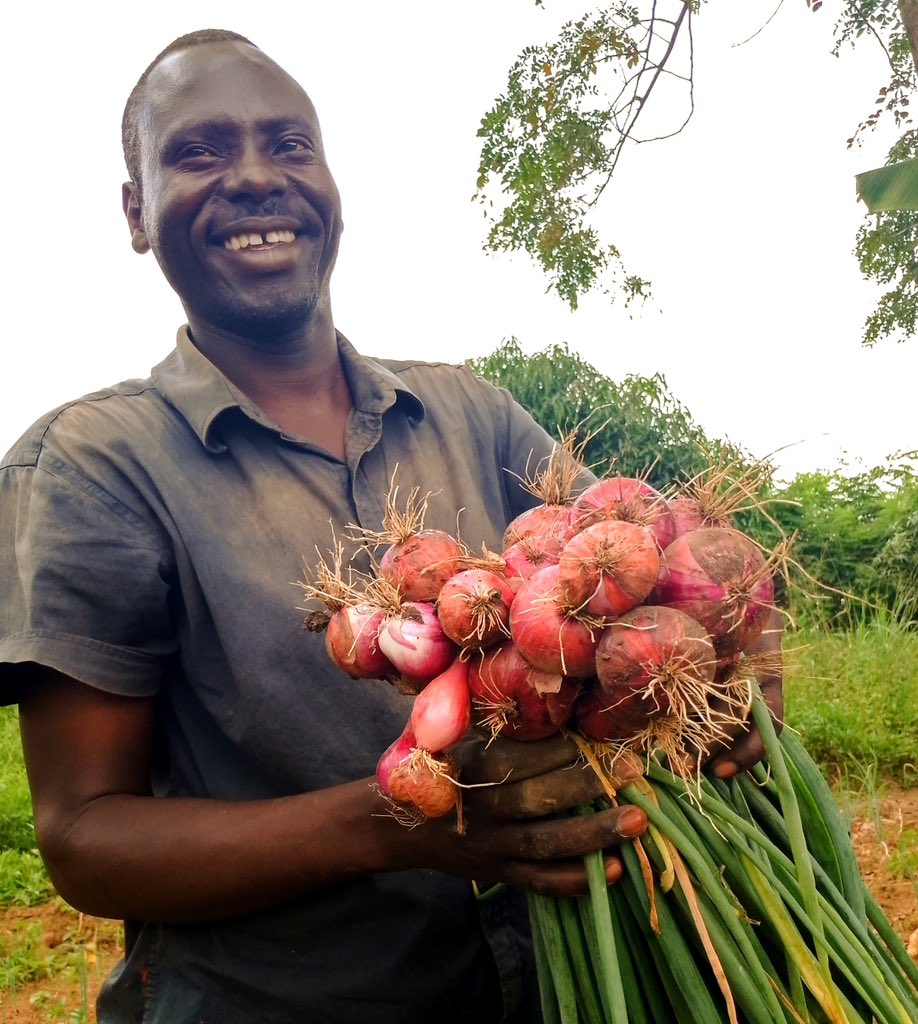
[255, 173]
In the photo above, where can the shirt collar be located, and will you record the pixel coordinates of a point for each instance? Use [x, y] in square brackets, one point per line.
[191, 383]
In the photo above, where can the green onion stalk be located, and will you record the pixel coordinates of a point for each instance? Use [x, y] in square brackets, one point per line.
[741, 904]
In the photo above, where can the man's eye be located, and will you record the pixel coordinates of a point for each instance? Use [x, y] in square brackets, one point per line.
[293, 145]
[195, 151]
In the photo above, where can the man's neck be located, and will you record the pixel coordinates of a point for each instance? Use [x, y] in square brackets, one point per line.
[297, 381]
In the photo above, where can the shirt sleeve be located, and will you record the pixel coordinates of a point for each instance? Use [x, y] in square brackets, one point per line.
[83, 582]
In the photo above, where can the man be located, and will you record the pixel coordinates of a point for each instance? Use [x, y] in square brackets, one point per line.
[198, 768]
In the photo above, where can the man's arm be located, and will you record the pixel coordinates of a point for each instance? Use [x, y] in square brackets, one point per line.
[114, 850]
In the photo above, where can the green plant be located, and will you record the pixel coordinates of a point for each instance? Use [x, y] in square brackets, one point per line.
[853, 697]
[904, 857]
[23, 878]
[637, 426]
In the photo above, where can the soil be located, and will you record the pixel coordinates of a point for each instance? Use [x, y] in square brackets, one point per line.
[885, 835]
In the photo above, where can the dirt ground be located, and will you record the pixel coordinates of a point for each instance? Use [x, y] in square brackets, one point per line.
[84, 949]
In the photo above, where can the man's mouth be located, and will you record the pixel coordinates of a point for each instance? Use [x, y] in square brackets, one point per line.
[252, 239]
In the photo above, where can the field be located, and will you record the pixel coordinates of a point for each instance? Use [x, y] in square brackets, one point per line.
[852, 697]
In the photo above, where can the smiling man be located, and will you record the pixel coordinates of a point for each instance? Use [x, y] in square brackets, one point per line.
[198, 767]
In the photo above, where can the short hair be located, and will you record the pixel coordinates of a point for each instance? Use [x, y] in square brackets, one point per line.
[130, 132]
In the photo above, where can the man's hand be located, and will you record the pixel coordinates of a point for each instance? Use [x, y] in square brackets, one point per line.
[512, 829]
[747, 748]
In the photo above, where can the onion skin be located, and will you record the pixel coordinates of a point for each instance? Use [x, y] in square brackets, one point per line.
[547, 635]
[352, 642]
[608, 568]
[420, 565]
[629, 499]
[609, 719]
[424, 783]
[720, 578]
[415, 643]
[511, 698]
[548, 526]
[441, 713]
[474, 607]
[637, 651]
[393, 756]
[523, 560]
[689, 515]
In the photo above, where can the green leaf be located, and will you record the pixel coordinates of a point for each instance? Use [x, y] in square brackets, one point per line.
[890, 188]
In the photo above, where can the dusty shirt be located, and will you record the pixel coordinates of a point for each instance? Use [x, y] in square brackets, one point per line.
[150, 538]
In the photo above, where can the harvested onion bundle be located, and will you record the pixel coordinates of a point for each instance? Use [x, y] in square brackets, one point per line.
[603, 581]
[613, 618]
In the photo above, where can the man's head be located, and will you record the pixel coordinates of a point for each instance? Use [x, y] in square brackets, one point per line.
[230, 189]
[130, 132]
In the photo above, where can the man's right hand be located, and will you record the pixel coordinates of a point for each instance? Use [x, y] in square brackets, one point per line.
[515, 829]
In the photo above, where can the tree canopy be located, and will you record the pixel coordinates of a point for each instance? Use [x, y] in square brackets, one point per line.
[639, 427]
[552, 141]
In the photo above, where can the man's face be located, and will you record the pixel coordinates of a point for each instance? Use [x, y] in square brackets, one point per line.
[237, 202]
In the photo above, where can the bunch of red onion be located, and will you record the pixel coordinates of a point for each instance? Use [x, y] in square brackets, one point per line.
[606, 614]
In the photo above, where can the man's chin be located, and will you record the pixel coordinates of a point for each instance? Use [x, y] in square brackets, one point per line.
[268, 324]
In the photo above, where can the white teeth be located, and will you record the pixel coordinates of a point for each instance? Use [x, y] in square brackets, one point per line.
[238, 242]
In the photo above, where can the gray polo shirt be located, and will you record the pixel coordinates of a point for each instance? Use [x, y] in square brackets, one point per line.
[150, 538]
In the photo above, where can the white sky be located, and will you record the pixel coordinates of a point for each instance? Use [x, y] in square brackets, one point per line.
[745, 222]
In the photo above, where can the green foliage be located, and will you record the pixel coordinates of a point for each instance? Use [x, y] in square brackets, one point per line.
[853, 696]
[553, 139]
[856, 534]
[16, 831]
[885, 244]
[880, 21]
[885, 250]
[641, 427]
[23, 878]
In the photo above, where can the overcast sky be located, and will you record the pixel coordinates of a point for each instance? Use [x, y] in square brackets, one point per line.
[745, 222]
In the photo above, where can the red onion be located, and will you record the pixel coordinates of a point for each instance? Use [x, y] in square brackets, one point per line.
[352, 642]
[612, 719]
[420, 565]
[720, 578]
[424, 782]
[415, 643]
[548, 636]
[608, 568]
[689, 514]
[548, 526]
[629, 499]
[412, 777]
[653, 649]
[525, 559]
[392, 757]
[441, 713]
[512, 698]
[474, 607]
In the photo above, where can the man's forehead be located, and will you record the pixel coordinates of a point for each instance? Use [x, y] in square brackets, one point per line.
[220, 70]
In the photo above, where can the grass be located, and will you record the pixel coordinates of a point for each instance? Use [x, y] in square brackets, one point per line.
[23, 880]
[28, 956]
[853, 698]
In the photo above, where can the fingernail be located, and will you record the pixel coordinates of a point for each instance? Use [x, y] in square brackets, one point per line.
[632, 822]
[726, 769]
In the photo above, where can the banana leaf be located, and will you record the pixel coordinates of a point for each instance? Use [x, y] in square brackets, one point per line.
[894, 187]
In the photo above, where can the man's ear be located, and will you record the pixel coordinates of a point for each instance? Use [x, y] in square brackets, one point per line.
[130, 202]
